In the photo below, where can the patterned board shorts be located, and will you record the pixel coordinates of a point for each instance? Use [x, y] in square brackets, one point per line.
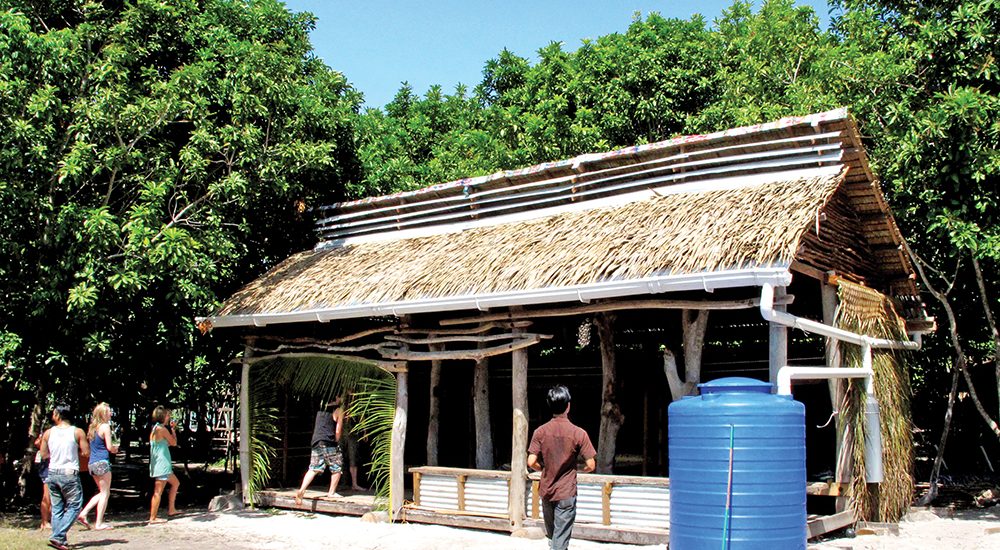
[100, 468]
[323, 457]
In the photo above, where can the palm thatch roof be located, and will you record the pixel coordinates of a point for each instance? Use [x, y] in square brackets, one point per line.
[728, 209]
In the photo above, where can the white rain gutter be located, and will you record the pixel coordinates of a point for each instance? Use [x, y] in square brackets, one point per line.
[770, 276]
[873, 428]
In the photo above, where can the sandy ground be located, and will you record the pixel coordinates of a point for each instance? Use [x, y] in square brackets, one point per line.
[284, 530]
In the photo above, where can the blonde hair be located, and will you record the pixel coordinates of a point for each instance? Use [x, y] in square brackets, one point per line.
[100, 415]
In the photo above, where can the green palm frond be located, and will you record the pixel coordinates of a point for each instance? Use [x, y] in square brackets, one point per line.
[263, 435]
[322, 376]
[374, 405]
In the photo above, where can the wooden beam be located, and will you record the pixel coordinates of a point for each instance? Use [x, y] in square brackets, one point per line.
[519, 438]
[331, 341]
[471, 354]
[416, 488]
[824, 524]
[481, 413]
[397, 468]
[748, 303]
[479, 329]
[457, 338]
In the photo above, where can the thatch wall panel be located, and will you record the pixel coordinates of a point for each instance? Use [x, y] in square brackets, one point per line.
[675, 234]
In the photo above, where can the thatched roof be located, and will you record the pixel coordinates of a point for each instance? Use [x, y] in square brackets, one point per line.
[727, 209]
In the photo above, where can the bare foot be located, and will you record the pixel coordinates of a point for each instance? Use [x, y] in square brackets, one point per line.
[156, 521]
[104, 527]
[172, 514]
[298, 497]
[359, 488]
[83, 521]
[334, 495]
[45, 527]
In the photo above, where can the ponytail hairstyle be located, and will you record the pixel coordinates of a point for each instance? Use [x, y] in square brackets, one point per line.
[160, 414]
[100, 415]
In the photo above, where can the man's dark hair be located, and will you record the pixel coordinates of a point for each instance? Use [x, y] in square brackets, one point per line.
[558, 399]
[65, 412]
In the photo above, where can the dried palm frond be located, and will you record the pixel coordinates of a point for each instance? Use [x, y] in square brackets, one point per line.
[866, 311]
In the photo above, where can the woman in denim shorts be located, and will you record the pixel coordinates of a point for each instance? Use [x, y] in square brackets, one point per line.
[99, 464]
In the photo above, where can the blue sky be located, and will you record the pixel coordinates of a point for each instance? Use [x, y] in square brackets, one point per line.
[378, 44]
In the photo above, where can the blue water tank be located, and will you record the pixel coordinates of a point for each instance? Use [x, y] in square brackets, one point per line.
[766, 491]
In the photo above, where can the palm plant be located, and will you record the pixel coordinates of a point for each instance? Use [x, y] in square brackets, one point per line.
[322, 377]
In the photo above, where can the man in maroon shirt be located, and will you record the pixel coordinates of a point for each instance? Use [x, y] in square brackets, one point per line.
[555, 449]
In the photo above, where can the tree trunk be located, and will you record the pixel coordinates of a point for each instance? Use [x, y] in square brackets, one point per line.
[434, 416]
[481, 405]
[984, 298]
[694, 325]
[611, 413]
[38, 413]
[932, 490]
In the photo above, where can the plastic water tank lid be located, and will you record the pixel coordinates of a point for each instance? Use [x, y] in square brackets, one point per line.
[736, 384]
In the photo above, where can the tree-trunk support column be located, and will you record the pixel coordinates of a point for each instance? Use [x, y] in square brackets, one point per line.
[397, 469]
[611, 413]
[845, 436]
[245, 462]
[434, 416]
[778, 341]
[481, 406]
[519, 438]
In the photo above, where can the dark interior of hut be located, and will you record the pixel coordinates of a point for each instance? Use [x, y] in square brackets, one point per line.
[736, 344]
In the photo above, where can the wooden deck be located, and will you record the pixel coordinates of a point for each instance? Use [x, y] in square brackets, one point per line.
[463, 514]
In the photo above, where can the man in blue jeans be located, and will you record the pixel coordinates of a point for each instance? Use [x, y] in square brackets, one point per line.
[555, 449]
[64, 444]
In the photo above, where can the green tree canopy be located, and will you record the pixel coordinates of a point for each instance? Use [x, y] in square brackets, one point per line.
[153, 155]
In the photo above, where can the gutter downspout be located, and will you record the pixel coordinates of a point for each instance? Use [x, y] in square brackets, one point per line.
[873, 430]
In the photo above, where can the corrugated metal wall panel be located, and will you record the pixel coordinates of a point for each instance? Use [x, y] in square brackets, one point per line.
[438, 492]
[641, 506]
[486, 495]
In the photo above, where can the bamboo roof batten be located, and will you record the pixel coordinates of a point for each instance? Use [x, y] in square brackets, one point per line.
[743, 164]
[511, 187]
[725, 210]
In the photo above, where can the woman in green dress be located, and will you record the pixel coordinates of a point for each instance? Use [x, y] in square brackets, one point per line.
[161, 469]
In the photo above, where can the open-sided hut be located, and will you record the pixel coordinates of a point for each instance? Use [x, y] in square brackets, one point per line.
[740, 252]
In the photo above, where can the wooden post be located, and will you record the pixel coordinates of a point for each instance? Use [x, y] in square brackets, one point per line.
[519, 438]
[481, 408]
[397, 469]
[434, 416]
[606, 503]
[845, 436]
[460, 488]
[611, 413]
[778, 341]
[245, 464]
[416, 488]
